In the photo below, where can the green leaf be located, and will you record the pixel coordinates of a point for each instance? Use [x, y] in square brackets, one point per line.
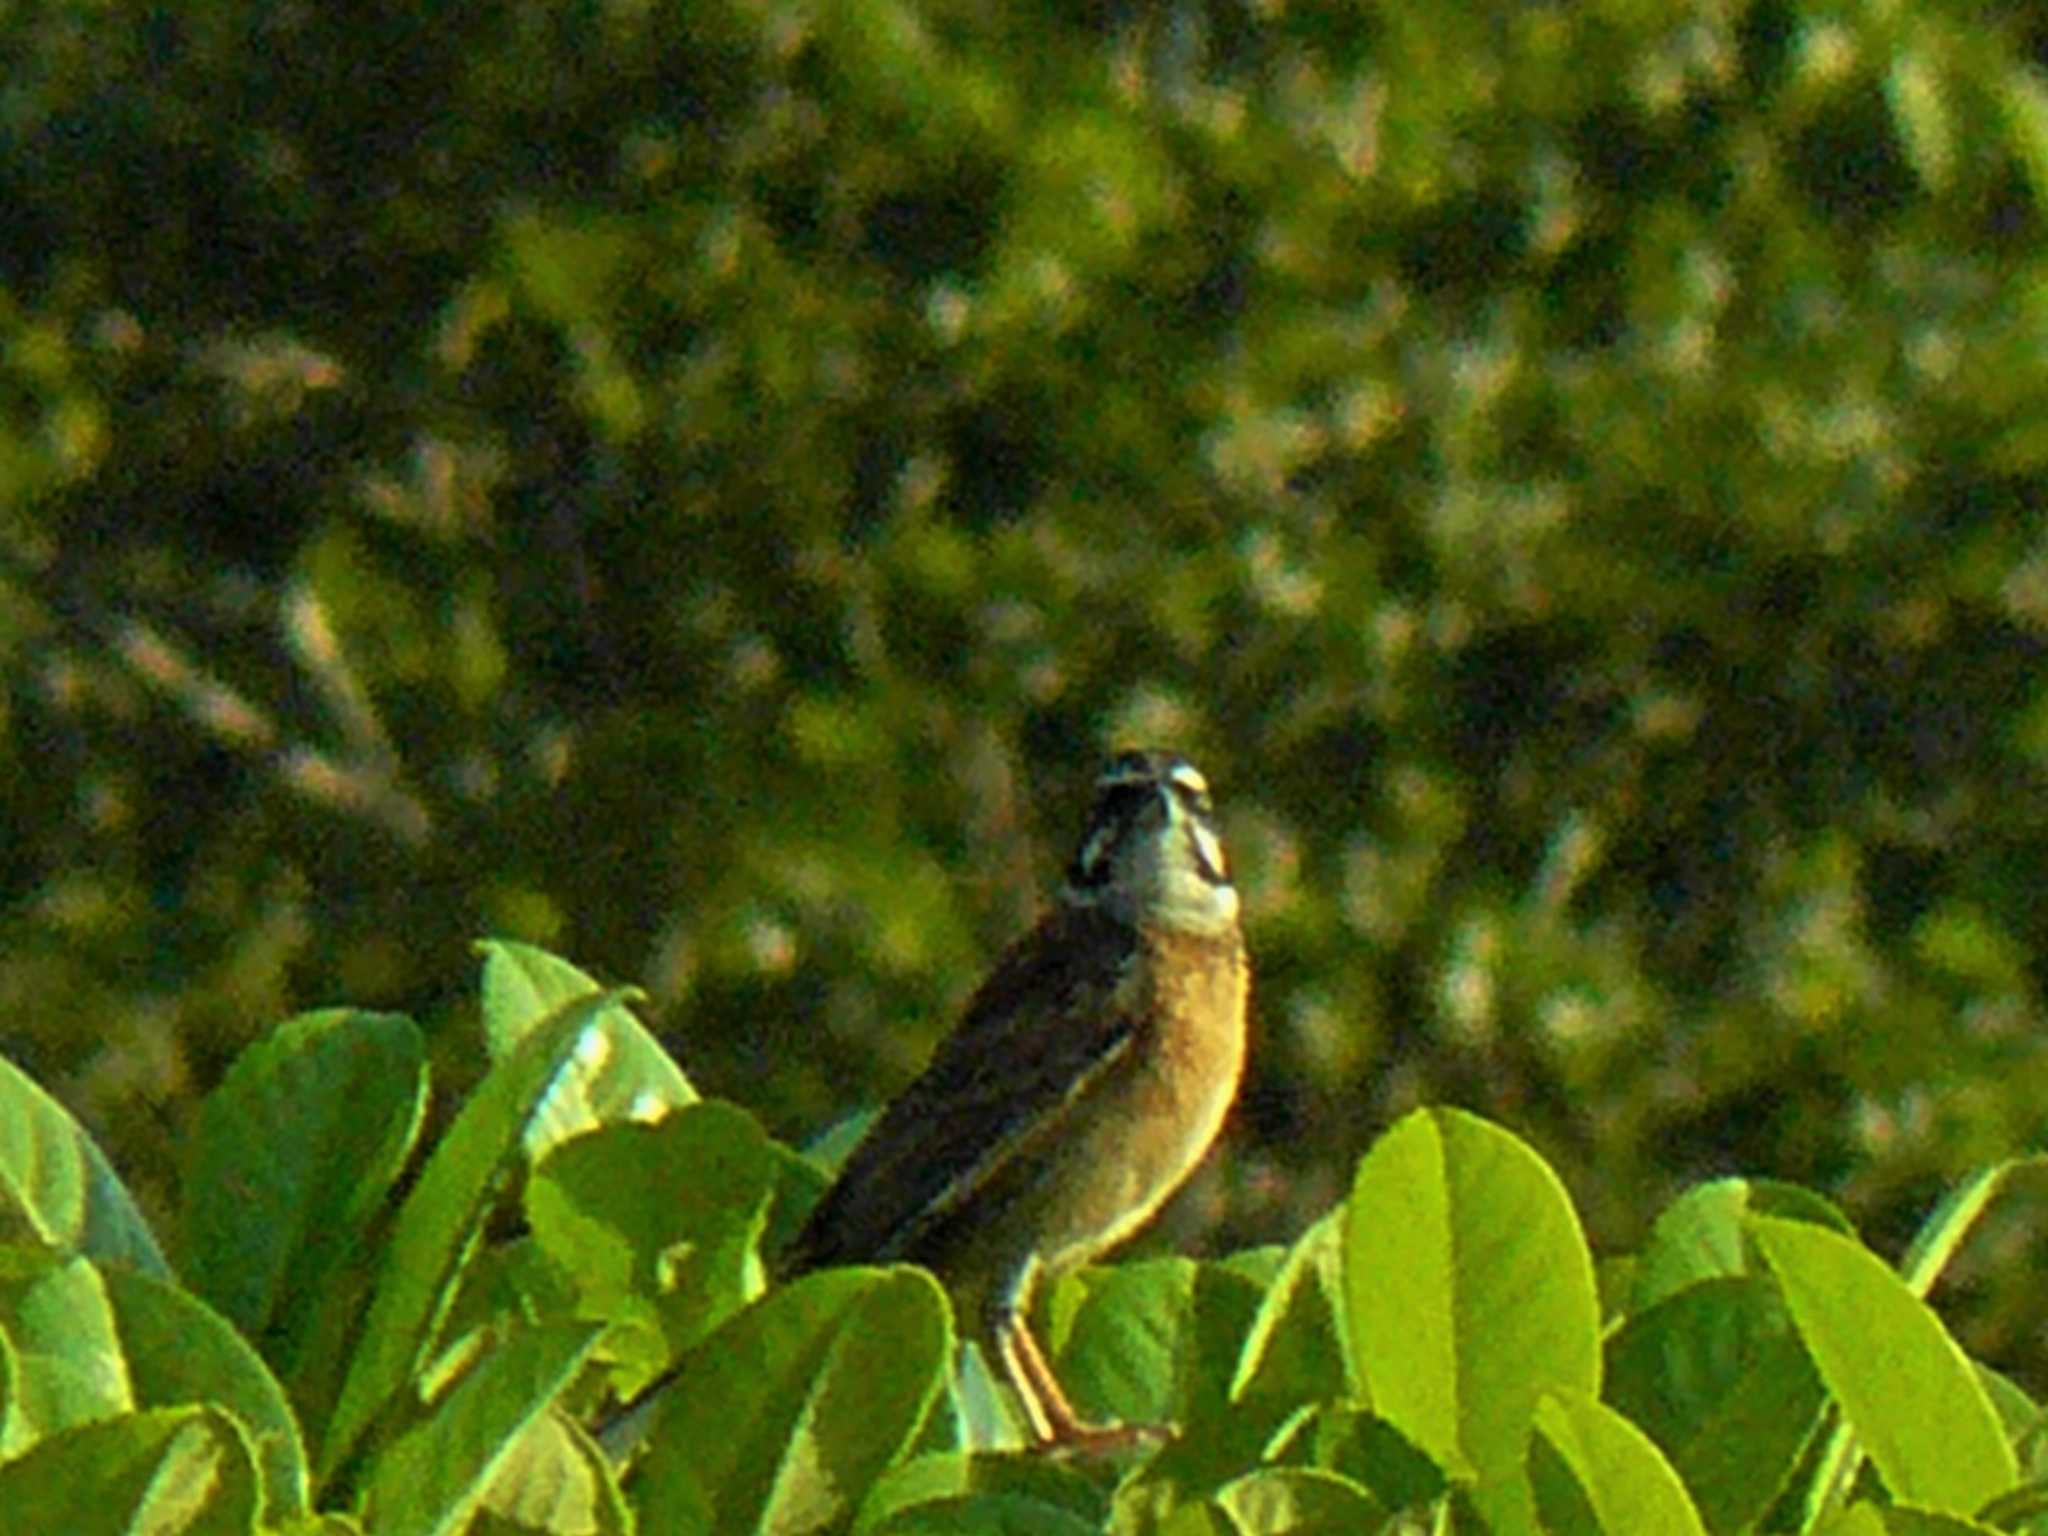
[1868, 1519]
[799, 1186]
[782, 1420]
[1119, 1334]
[986, 1514]
[57, 1187]
[557, 1478]
[293, 1154]
[16, 1432]
[172, 1472]
[328, 1525]
[437, 1224]
[657, 1225]
[1158, 1342]
[1469, 1292]
[2018, 1412]
[433, 1478]
[1701, 1234]
[1716, 1375]
[1942, 1233]
[1296, 1501]
[1597, 1474]
[955, 1480]
[179, 1350]
[1216, 1437]
[1373, 1454]
[620, 1072]
[65, 1346]
[1892, 1368]
[1294, 1350]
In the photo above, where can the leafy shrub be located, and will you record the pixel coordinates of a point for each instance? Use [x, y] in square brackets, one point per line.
[347, 1345]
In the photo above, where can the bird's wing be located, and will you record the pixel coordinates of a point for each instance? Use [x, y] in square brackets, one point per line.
[1049, 1019]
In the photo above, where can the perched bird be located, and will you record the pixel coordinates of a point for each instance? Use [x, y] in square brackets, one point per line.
[1089, 1075]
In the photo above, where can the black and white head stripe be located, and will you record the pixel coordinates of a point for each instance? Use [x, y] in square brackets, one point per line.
[1155, 795]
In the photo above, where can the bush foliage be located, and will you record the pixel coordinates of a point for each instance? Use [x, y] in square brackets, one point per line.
[346, 1353]
[697, 486]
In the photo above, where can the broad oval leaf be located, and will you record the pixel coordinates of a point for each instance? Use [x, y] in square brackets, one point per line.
[1469, 1292]
[67, 1353]
[58, 1187]
[179, 1350]
[1298, 1501]
[172, 1472]
[1700, 1236]
[1892, 1368]
[1294, 1348]
[783, 1419]
[954, 1478]
[1372, 1453]
[1157, 1342]
[1595, 1473]
[15, 1433]
[1716, 1375]
[1121, 1336]
[557, 1478]
[438, 1220]
[432, 1479]
[986, 1514]
[657, 1224]
[294, 1152]
[619, 1074]
[1868, 1519]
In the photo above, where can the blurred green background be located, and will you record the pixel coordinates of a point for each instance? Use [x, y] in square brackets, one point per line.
[699, 485]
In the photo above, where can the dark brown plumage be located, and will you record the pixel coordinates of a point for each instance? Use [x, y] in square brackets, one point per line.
[1091, 1072]
[1088, 1077]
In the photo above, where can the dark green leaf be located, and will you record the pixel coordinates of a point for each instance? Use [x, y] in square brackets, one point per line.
[65, 1346]
[171, 1472]
[1299, 1502]
[56, 1186]
[956, 1476]
[782, 1420]
[1717, 1377]
[1294, 1350]
[658, 1224]
[179, 1351]
[557, 1478]
[1892, 1368]
[293, 1154]
[1701, 1235]
[438, 1222]
[986, 1514]
[1120, 1338]
[620, 1073]
[1618, 1483]
[1373, 1454]
[433, 1478]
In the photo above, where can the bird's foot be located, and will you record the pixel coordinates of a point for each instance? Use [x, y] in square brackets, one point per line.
[1076, 1437]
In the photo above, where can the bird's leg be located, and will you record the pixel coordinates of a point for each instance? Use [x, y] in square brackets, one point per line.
[1055, 1425]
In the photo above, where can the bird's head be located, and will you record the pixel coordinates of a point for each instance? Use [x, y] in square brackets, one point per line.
[1151, 854]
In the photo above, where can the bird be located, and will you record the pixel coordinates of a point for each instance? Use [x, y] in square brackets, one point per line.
[1088, 1076]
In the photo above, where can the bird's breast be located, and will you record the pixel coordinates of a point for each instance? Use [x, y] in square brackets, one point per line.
[1166, 1102]
[1197, 1019]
